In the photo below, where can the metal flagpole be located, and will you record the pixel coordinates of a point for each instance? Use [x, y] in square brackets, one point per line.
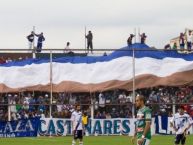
[9, 109]
[135, 35]
[133, 62]
[139, 35]
[92, 105]
[33, 45]
[51, 84]
[85, 39]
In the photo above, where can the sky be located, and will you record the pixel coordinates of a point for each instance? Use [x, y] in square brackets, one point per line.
[111, 21]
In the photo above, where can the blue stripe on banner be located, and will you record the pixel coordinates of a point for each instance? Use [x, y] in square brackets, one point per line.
[161, 54]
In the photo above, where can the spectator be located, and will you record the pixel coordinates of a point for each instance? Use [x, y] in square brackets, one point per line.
[103, 115]
[101, 102]
[12, 103]
[130, 98]
[26, 102]
[96, 104]
[108, 116]
[174, 46]
[8, 60]
[98, 115]
[122, 98]
[143, 38]
[72, 100]
[189, 40]
[182, 41]
[130, 40]
[59, 108]
[85, 119]
[2, 60]
[30, 39]
[104, 54]
[41, 38]
[167, 46]
[42, 114]
[89, 38]
[67, 49]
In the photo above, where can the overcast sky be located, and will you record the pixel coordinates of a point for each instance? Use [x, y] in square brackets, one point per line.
[111, 21]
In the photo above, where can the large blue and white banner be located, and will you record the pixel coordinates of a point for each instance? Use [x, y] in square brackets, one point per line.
[119, 126]
[19, 128]
[63, 127]
[162, 126]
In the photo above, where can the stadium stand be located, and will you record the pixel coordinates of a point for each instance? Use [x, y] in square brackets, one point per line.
[109, 104]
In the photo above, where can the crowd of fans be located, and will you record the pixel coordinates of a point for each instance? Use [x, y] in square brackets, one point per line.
[162, 99]
[4, 60]
[184, 42]
[106, 105]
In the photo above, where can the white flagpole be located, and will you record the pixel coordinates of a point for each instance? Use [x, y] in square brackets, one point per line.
[33, 45]
[133, 62]
[9, 109]
[135, 35]
[85, 39]
[139, 35]
[51, 87]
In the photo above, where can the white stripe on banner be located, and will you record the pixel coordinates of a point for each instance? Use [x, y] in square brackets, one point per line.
[116, 69]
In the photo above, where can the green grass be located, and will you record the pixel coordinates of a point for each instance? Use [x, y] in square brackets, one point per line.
[99, 140]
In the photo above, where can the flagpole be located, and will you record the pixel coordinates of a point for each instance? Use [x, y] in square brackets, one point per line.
[85, 38]
[51, 84]
[133, 62]
[139, 35]
[135, 35]
[9, 109]
[33, 45]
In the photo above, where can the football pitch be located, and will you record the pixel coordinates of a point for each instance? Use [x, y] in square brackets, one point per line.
[92, 140]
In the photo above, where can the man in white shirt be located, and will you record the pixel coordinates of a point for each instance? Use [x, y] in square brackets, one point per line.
[67, 48]
[181, 122]
[102, 102]
[77, 125]
[189, 40]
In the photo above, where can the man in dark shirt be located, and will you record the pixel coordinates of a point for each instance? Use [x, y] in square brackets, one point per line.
[182, 41]
[2, 60]
[143, 38]
[41, 38]
[89, 38]
[129, 40]
[30, 39]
